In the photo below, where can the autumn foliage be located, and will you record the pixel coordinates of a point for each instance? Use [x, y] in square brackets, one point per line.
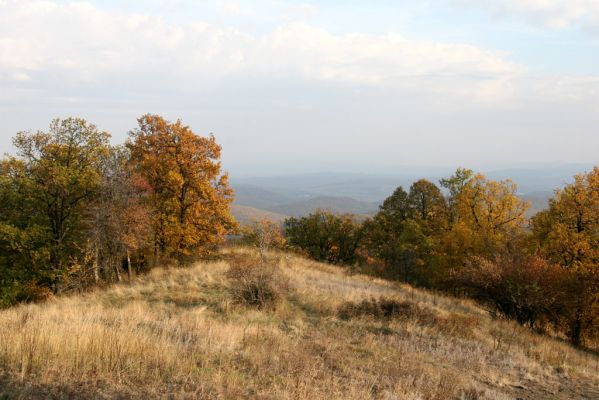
[189, 196]
[567, 234]
[78, 211]
[470, 236]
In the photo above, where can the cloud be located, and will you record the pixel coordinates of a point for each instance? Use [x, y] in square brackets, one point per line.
[550, 13]
[20, 76]
[68, 46]
[231, 8]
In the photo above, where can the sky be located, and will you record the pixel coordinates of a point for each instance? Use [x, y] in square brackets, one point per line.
[295, 86]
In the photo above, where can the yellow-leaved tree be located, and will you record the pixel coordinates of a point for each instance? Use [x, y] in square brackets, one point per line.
[190, 196]
[568, 235]
[486, 215]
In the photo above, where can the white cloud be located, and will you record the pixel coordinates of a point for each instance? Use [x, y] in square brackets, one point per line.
[271, 85]
[231, 8]
[79, 43]
[550, 13]
[20, 76]
[572, 89]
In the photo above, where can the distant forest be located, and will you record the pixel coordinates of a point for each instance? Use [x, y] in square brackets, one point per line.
[77, 212]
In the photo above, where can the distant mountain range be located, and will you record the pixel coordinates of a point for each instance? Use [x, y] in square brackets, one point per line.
[277, 197]
[335, 204]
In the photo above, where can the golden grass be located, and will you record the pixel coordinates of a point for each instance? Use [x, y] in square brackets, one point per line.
[177, 333]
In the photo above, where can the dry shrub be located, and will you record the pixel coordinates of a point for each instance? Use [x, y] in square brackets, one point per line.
[521, 287]
[36, 293]
[457, 325]
[256, 283]
[385, 308]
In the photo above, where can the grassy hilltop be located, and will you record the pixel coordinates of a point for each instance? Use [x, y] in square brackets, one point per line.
[180, 333]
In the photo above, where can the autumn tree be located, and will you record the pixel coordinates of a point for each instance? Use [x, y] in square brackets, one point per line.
[118, 220]
[189, 197]
[568, 235]
[454, 185]
[485, 215]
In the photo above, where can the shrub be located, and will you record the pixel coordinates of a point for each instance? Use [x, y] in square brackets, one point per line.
[255, 283]
[384, 308]
[263, 235]
[525, 288]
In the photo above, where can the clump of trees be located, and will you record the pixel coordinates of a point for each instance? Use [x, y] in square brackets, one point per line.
[325, 236]
[405, 232]
[470, 235]
[76, 210]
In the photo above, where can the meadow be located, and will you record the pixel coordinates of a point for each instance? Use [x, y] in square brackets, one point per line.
[180, 333]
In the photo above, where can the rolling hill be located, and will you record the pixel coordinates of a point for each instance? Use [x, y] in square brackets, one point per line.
[262, 198]
[360, 194]
[334, 204]
[179, 333]
[246, 215]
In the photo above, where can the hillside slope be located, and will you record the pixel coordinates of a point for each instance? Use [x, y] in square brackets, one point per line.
[328, 203]
[178, 334]
[246, 215]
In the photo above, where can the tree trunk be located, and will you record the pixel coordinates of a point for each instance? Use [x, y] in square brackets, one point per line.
[156, 260]
[117, 271]
[95, 265]
[129, 273]
[576, 335]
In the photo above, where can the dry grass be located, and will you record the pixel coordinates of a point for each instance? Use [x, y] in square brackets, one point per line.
[255, 282]
[178, 333]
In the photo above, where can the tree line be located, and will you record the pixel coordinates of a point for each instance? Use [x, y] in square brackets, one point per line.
[77, 211]
[469, 235]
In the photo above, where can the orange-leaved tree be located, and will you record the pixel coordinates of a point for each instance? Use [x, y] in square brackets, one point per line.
[189, 197]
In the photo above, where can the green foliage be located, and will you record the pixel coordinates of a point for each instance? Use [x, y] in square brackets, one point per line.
[404, 234]
[75, 210]
[325, 236]
[24, 257]
[45, 192]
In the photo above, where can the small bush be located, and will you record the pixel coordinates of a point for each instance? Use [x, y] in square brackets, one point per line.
[384, 308]
[457, 325]
[255, 283]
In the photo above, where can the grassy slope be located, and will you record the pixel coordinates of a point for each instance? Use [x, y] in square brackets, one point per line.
[177, 334]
